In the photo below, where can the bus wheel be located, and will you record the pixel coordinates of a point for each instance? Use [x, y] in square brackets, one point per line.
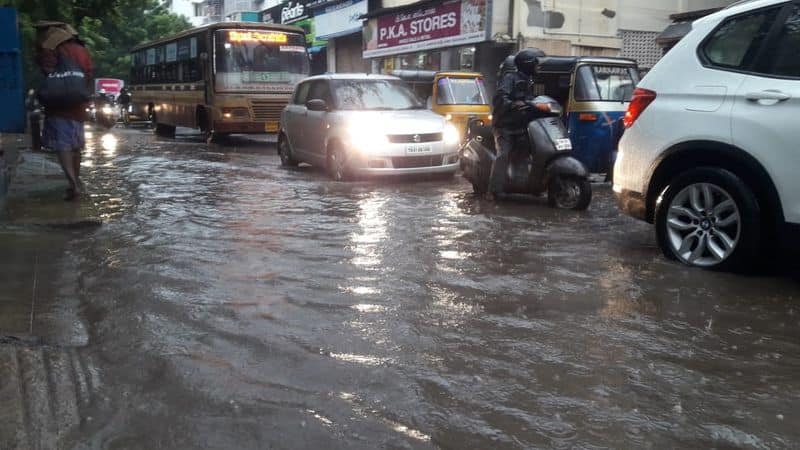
[165, 130]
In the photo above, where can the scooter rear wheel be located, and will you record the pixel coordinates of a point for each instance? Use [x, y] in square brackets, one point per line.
[569, 193]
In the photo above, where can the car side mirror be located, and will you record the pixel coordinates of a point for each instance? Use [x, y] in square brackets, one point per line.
[317, 105]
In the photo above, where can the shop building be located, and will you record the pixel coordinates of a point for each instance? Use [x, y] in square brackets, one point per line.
[333, 31]
[439, 35]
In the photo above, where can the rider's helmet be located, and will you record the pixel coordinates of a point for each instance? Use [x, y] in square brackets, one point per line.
[527, 59]
[507, 66]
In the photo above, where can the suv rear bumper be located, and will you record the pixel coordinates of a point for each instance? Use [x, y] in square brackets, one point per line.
[632, 203]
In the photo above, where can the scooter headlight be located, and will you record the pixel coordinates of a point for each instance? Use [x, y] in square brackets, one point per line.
[107, 110]
[451, 135]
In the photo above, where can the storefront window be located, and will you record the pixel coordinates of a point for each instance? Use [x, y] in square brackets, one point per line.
[412, 61]
[466, 58]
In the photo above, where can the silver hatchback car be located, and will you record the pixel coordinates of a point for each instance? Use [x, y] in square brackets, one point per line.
[358, 124]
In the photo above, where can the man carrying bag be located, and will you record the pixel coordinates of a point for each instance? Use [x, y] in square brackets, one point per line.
[64, 93]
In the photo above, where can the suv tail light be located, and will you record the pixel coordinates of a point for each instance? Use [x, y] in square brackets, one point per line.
[640, 101]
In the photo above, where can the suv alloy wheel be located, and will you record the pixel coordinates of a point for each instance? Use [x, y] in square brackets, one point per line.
[709, 218]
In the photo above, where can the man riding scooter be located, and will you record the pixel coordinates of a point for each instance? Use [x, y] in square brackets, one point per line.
[511, 114]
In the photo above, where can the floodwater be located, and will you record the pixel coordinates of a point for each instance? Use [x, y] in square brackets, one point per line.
[231, 303]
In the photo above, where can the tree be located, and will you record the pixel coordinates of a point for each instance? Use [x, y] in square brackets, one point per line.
[110, 28]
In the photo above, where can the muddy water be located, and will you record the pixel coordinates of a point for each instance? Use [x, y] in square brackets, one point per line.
[235, 304]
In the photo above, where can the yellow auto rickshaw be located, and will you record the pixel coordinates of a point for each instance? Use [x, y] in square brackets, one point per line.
[459, 96]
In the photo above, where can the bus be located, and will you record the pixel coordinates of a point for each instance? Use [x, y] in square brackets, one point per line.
[222, 78]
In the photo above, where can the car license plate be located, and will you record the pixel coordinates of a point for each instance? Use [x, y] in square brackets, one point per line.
[417, 149]
[272, 126]
[563, 144]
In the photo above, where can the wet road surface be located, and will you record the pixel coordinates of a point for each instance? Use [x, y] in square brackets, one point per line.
[231, 303]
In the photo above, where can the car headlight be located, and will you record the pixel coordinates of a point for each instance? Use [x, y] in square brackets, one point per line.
[451, 134]
[367, 136]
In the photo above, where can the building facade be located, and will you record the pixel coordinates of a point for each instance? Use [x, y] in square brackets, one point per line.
[195, 11]
[627, 28]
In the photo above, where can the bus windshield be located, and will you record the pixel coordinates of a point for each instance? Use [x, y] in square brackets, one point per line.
[257, 60]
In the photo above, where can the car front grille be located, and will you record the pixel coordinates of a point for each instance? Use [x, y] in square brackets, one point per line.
[413, 162]
[268, 109]
[414, 138]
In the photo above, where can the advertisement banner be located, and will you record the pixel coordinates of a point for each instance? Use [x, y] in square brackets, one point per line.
[449, 24]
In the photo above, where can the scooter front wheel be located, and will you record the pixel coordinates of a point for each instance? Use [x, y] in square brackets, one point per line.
[565, 192]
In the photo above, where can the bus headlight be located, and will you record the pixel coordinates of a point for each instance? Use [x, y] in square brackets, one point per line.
[451, 135]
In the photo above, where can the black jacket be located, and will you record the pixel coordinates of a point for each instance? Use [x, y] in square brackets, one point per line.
[514, 86]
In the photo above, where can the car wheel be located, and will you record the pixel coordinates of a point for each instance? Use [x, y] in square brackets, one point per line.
[337, 164]
[573, 193]
[709, 218]
[285, 152]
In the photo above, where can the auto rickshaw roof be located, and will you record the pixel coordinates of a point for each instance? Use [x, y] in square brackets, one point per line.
[566, 64]
[427, 76]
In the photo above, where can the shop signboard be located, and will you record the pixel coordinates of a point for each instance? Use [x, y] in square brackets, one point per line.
[448, 24]
[297, 13]
[340, 18]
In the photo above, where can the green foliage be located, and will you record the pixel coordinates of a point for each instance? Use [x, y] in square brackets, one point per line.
[110, 28]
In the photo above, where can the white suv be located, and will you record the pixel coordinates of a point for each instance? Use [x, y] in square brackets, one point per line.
[711, 153]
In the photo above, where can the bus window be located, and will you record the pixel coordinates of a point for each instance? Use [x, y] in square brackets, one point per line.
[248, 60]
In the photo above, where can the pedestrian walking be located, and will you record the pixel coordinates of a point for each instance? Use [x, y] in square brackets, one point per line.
[65, 91]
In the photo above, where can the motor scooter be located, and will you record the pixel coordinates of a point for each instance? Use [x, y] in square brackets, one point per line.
[104, 112]
[541, 159]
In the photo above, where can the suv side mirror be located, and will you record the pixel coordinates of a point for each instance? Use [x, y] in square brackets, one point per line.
[317, 104]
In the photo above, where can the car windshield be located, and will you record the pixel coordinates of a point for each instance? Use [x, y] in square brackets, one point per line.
[248, 60]
[461, 91]
[605, 83]
[374, 95]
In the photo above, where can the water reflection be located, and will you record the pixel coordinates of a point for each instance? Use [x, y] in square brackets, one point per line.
[109, 144]
[367, 242]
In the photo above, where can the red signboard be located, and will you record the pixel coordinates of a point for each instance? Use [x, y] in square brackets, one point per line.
[108, 85]
[431, 23]
[455, 22]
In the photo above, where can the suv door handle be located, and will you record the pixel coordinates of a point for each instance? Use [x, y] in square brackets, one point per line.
[774, 95]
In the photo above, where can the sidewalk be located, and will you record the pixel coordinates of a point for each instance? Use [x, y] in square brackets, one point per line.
[36, 190]
[32, 304]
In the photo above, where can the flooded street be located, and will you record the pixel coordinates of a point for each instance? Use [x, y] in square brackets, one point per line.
[231, 303]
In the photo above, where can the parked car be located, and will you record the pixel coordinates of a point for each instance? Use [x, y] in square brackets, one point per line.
[358, 124]
[711, 153]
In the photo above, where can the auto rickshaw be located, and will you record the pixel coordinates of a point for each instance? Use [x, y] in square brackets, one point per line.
[595, 92]
[459, 96]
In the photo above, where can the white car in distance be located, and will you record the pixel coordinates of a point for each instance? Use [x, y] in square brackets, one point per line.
[365, 125]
